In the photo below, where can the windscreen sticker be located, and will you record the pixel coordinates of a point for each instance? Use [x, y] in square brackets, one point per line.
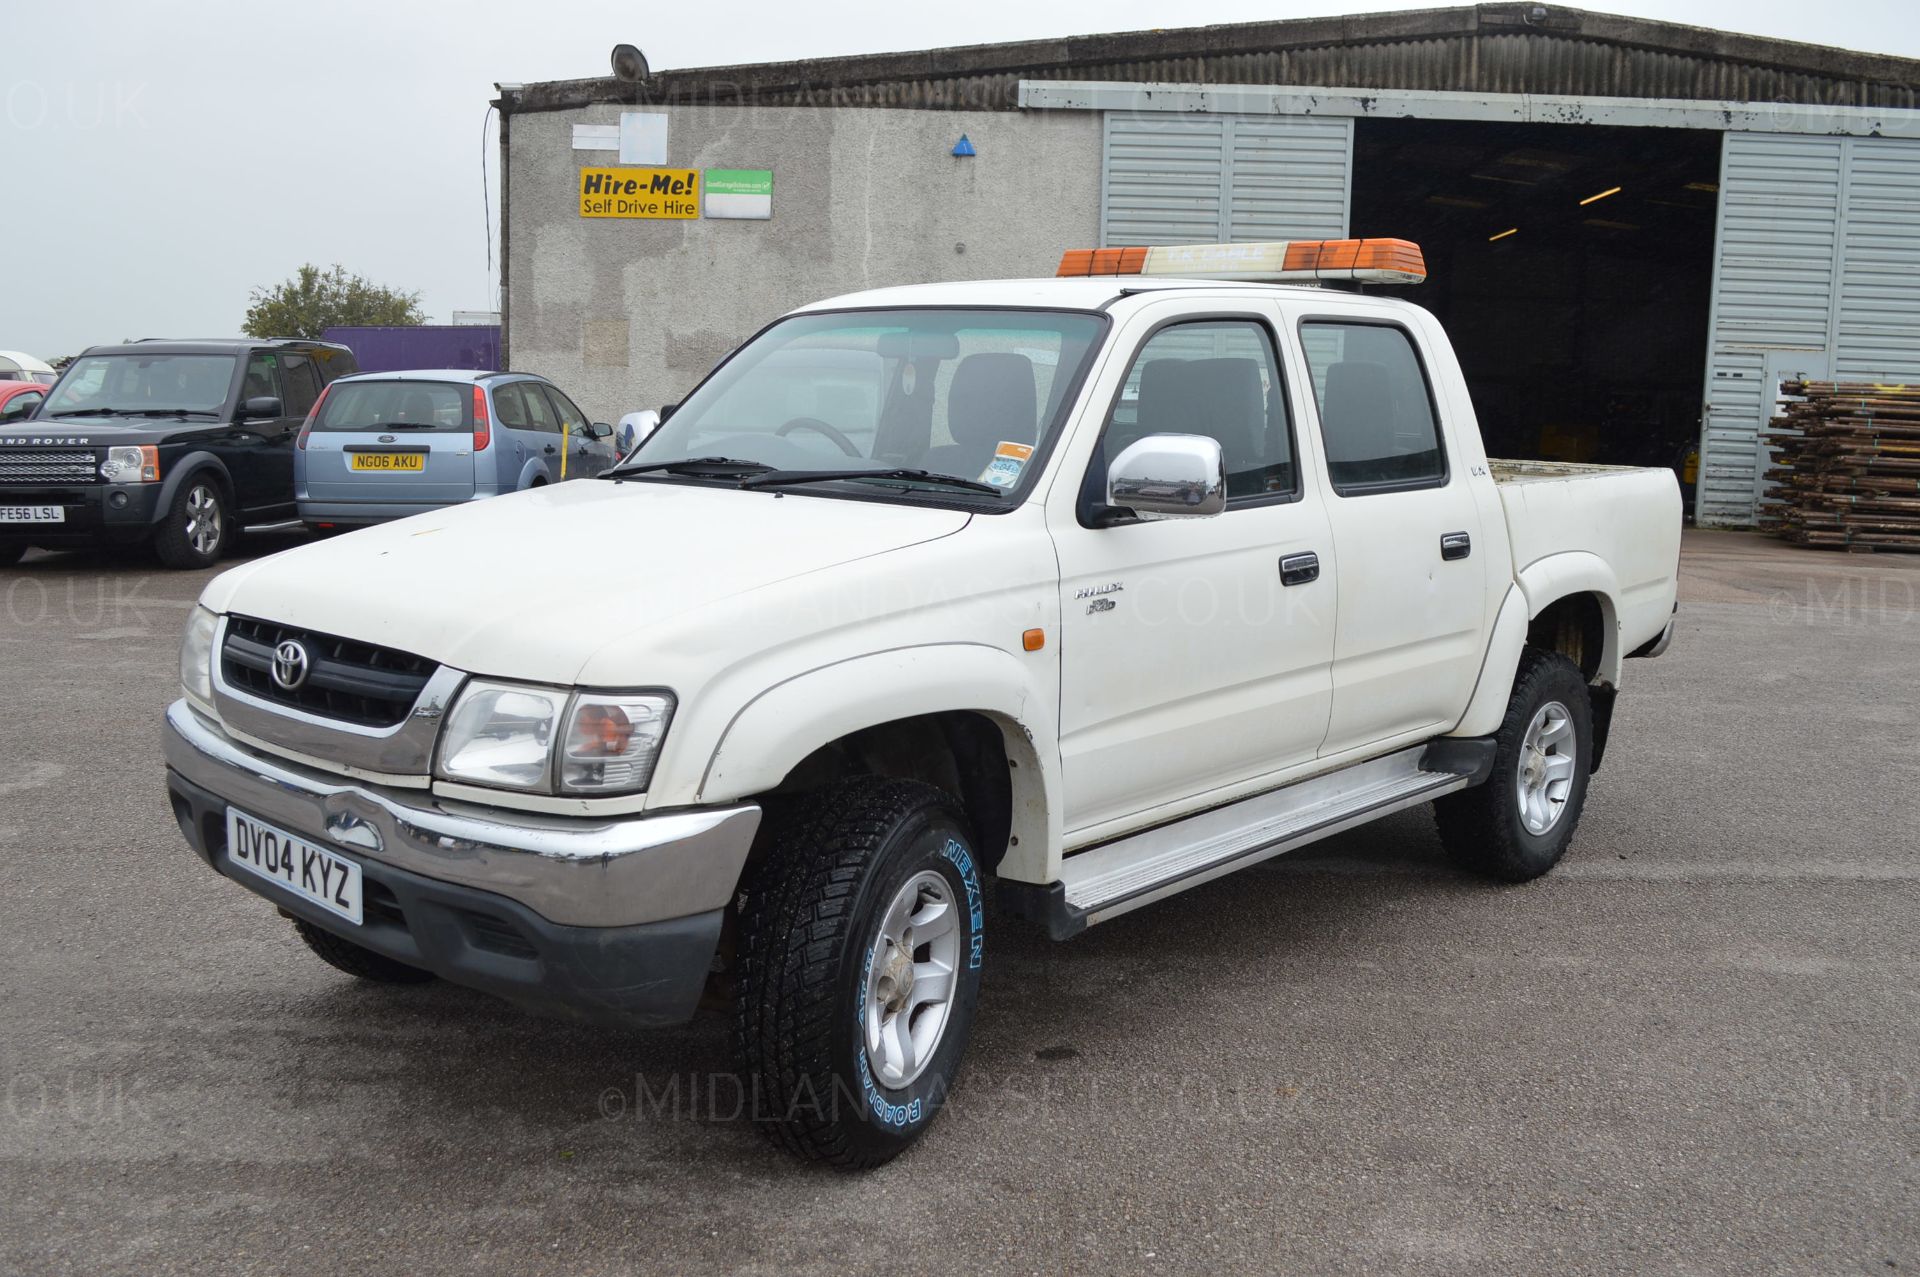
[1009, 459]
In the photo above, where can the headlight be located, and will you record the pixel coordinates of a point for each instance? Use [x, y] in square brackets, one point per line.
[131, 465]
[502, 734]
[517, 736]
[196, 656]
[612, 742]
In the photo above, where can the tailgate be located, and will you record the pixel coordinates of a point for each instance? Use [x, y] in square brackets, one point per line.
[392, 440]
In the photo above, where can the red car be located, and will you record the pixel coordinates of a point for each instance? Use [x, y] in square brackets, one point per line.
[18, 399]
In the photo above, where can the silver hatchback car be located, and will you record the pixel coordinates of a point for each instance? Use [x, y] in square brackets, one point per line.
[382, 446]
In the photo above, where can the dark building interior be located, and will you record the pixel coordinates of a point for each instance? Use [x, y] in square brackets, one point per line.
[1571, 265]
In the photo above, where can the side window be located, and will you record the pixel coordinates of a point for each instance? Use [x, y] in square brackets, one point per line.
[539, 412]
[261, 377]
[510, 405]
[303, 384]
[1376, 407]
[332, 362]
[572, 420]
[1217, 378]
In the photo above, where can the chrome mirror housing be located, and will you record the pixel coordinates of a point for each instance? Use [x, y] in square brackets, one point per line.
[1169, 477]
[635, 429]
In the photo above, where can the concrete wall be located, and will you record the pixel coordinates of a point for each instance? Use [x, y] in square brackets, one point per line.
[628, 314]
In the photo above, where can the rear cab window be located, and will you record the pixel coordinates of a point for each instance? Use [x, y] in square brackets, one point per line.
[1376, 406]
[439, 407]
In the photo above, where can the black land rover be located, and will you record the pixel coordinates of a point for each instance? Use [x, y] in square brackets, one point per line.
[176, 443]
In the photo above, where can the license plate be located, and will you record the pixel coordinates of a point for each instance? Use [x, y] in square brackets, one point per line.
[32, 514]
[386, 461]
[312, 873]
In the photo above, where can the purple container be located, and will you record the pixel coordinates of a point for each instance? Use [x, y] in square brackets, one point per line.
[399, 349]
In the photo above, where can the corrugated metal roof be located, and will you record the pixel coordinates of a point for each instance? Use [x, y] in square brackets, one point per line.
[1491, 48]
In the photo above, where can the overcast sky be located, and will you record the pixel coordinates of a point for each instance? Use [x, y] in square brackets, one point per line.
[189, 152]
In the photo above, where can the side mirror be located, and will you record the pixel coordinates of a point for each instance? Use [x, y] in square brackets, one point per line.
[260, 406]
[635, 429]
[600, 430]
[1169, 477]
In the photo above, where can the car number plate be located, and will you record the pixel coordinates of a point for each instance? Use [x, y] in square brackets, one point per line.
[387, 461]
[33, 514]
[312, 873]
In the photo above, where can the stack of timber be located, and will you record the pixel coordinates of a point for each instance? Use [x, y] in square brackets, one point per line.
[1847, 467]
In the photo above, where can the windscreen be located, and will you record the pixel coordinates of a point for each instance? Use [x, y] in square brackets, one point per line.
[973, 394]
[432, 406]
[137, 383]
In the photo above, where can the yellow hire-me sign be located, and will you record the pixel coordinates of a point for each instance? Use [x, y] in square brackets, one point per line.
[640, 192]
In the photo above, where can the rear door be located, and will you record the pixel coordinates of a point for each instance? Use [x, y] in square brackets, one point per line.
[393, 440]
[530, 423]
[1412, 615]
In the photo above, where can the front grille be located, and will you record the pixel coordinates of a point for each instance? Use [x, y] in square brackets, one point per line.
[49, 465]
[347, 680]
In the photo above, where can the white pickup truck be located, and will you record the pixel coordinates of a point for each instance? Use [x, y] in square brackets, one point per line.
[931, 609]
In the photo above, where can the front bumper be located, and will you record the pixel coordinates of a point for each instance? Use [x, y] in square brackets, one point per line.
[609, 919]
[97, 514]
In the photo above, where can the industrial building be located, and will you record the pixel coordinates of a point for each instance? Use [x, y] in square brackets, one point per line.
[1635, 230]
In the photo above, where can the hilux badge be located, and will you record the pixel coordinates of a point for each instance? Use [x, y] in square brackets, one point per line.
[289, 666]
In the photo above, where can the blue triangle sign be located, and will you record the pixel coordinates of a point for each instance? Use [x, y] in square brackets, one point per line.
[963, 146]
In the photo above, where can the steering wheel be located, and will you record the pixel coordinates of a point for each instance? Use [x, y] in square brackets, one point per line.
[820, 427]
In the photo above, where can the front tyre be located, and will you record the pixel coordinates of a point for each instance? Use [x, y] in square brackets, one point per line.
[1517, 825]
[344, 955]
[197, 526]
[860, 951]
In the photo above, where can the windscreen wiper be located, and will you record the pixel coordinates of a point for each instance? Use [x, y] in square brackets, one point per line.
[778, 478]
[720, 467]
[84, 412]
[167, 412]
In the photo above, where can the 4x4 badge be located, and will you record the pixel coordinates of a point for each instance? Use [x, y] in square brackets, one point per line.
[289, 666]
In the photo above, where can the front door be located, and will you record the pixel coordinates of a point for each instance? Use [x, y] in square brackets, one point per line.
[1186, 665]
[1406, 526]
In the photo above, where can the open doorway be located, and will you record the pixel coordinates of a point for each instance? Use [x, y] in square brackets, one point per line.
[1572, 266]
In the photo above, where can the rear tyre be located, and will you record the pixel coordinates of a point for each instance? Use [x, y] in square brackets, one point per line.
[345, 955]
[11, 554]
[1517, 825]
[860, 952]
[197, 527]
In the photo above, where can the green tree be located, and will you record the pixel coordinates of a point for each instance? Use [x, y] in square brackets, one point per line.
[315, 300]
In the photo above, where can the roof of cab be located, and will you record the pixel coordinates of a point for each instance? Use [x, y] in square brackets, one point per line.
[438, 374]
[208, 345]
[1080, 292]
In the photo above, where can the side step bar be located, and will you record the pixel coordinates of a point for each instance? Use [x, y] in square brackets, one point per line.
[1120, 876]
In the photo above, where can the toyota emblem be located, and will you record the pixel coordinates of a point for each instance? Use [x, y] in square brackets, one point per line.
[289, 666]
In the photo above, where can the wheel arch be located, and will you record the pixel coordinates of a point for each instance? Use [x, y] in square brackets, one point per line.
[959, 715]
[1564, 603]
[184, 469]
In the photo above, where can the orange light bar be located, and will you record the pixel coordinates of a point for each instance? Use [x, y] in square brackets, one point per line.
[1380, 261]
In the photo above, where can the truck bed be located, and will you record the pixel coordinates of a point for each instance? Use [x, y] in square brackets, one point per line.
[1626, 517]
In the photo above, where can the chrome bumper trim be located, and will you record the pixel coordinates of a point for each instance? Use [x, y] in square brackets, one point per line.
[575, 871]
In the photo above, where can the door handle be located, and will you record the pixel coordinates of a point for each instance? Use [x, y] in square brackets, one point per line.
[1298, 569]
[551, 450]
[1455, 545]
